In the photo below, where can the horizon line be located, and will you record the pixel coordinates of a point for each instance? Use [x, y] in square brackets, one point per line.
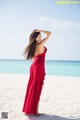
[45, 60]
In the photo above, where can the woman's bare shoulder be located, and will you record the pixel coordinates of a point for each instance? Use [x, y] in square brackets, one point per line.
[41, 48]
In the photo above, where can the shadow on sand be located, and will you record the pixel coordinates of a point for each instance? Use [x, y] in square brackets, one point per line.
[49, 117]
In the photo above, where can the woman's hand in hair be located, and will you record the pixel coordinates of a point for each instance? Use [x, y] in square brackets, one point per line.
[36, 30]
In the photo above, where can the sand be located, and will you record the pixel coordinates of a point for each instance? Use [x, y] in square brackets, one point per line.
[60, 97]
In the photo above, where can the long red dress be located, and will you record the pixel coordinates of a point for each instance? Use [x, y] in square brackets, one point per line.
[35, 83]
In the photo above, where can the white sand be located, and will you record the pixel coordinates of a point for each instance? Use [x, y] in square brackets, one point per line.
[60, 98]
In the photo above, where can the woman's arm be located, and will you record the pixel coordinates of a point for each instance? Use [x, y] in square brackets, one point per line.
[45, 32]
[48, 33]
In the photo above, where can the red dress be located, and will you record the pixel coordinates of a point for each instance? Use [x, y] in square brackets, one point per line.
[35, 83]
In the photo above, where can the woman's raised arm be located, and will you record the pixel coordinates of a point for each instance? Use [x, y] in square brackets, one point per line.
[48, 33]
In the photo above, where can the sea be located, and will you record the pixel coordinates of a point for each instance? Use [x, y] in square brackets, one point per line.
[52, 67]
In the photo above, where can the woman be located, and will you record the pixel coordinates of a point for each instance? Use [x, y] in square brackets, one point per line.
[36, 51]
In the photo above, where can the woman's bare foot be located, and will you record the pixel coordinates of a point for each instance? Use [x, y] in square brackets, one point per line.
[37, 114]
[28, 114]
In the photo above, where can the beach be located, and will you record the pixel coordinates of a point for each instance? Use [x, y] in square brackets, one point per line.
[60, 97]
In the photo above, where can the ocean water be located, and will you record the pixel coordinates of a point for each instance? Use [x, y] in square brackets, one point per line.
[59, 68]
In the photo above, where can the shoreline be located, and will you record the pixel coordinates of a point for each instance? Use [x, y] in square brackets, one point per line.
[23, 74]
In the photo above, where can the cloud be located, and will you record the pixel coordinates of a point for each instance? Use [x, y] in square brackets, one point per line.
[65, 40]
[55, 24]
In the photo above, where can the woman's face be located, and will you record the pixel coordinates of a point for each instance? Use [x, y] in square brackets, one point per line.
[38, 39]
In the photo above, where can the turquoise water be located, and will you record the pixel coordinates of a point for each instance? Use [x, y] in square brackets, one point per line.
[63, 68]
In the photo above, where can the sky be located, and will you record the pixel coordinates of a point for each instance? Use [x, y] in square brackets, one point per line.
[18, 18]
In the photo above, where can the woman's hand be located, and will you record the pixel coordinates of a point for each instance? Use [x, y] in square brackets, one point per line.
[36, 30]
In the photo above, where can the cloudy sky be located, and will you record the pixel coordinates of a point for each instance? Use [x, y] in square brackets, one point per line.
[19, 17]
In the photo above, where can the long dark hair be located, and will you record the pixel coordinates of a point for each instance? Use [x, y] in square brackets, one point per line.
[30, 48]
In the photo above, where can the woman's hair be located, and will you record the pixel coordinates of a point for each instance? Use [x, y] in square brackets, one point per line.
[30, 48]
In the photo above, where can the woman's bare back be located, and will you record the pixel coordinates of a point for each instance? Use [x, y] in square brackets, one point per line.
[39, 50]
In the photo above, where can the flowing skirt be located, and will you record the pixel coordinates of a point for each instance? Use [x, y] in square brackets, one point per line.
[34, 88]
